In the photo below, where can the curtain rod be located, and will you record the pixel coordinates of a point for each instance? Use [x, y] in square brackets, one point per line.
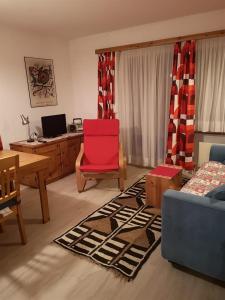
[198, 36]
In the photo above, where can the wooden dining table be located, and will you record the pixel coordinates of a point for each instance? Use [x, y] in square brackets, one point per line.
[29, 164]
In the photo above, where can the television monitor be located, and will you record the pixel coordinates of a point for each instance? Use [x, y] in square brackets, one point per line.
[54, 125]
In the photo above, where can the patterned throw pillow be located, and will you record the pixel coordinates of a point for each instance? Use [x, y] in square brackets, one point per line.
[210, 176]
[218, 193]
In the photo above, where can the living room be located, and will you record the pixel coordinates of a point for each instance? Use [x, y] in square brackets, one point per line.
[70, 34]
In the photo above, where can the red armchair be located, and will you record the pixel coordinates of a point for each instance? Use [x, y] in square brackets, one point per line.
[101, 155]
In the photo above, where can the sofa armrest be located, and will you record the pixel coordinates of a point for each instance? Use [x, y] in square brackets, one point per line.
[173, 195]
[193, 232]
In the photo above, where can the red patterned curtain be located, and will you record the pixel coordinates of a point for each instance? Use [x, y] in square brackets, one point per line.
[106, 79]
[180, 145]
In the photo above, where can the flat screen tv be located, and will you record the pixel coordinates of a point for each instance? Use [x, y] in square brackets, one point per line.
[54, 125]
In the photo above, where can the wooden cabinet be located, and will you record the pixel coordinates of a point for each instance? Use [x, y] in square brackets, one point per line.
[62, 151]
[73, 151]
[157, 183]
[53, 152]
[66, 164]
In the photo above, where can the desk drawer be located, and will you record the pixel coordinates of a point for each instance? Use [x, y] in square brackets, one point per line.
[48, 149]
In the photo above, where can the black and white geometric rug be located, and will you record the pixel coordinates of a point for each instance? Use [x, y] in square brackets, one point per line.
[121, 234]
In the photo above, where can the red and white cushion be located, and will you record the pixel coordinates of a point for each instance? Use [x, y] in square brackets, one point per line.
[210, 175]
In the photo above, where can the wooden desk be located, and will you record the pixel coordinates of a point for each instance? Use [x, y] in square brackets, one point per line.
[33, 163]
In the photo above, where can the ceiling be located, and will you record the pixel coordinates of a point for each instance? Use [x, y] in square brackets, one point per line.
[76, 18]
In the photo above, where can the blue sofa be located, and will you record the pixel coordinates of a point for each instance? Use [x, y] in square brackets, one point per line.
[193, 229]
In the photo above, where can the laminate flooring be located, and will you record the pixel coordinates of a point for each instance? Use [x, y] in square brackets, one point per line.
[43, 270]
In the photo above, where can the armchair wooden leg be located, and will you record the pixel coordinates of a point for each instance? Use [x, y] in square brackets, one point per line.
[125, 168]
[21, 225]
[81, 182]
[121, 182]
[1, 228]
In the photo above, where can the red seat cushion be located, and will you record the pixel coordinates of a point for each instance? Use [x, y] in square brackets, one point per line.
[99, 168]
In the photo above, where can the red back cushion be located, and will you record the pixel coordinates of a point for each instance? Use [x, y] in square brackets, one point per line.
[101, 142]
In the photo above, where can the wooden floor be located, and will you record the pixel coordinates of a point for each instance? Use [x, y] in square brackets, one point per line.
[44, 270]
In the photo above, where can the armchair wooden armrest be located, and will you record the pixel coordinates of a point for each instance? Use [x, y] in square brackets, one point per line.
[123, 161]
[81, 181]
[79, 157]
[122, 167]
[121, 157]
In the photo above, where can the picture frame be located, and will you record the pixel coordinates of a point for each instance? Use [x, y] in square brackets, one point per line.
[78, 123]
[41, 81]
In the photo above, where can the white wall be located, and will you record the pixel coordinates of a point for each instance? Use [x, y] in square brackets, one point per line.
[14, 96]
[76, 97]
[84, 60]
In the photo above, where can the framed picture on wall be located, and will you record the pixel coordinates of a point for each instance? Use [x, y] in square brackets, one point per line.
[41, 81]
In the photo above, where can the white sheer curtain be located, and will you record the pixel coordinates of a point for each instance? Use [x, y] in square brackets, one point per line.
[143, 94]
[210, 85]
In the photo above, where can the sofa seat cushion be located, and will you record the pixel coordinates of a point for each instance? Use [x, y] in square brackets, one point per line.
[210, 175]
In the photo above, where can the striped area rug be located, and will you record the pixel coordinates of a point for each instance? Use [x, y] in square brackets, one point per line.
[120, 235]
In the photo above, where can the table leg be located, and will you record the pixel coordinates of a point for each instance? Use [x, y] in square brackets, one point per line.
[43, 195]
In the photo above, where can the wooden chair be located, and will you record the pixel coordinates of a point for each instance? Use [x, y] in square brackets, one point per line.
[101, 156]
[10, 193]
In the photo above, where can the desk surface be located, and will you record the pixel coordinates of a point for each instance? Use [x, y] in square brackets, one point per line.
[26, 159]
[47, 141]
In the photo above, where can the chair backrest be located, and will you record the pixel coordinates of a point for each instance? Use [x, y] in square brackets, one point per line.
[9, 184]
[101, 142]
